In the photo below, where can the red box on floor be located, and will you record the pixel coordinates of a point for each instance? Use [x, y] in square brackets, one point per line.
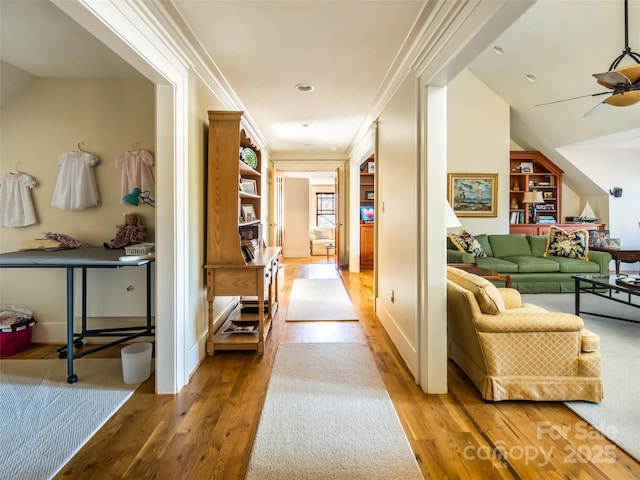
[17, 339]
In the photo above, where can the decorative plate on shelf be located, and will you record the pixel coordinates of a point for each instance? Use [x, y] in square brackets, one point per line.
[249, 157]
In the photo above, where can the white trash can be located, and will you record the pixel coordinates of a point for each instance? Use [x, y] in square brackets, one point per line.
[136, 362]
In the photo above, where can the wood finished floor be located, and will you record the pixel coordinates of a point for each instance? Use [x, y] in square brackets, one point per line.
[206, 431]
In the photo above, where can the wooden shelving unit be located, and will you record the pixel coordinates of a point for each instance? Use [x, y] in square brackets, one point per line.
[229, 270]
[532, 171]
[367, 199]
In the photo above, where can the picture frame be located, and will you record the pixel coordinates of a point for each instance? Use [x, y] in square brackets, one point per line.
[367, 214]
[473, 194]
[526, 167]
[371, 167]
[248, 185]
[248, 212]
[369, 195]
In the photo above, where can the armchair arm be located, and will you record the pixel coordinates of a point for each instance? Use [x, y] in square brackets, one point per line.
[529, 322]
[511, 297]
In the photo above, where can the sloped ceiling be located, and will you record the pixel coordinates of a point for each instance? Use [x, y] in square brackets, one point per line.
[345, 49]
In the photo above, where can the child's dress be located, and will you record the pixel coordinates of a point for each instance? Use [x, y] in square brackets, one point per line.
[16, 209]
[136, 172]
[76, 185]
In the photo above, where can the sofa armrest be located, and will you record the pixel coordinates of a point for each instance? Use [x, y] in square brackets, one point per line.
[603, 259]
[529, 322]
[456, 256]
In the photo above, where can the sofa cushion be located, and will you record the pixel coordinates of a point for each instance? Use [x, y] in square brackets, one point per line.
[589, 341]
[573, 244]
[486, 293]
[538, 244]
[576, 265]
[534, 264]
[465, 242]
[509, 245]
[499, 265]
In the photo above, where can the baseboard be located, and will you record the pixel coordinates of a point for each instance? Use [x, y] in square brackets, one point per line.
[407, 351]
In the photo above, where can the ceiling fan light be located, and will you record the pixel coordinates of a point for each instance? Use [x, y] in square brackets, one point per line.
[623, 99]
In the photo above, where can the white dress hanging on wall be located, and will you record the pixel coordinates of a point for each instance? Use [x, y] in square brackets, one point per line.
[76, 185]
[136, 172]
[16, 209]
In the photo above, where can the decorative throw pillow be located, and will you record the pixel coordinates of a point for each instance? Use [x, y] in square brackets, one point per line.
[319, 234]
[465, 242]
[66, 239]
[567, 244]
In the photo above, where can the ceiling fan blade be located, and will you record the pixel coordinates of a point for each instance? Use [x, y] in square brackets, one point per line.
[573, 98]
[624, 99]
[620, 76]
[596, 109]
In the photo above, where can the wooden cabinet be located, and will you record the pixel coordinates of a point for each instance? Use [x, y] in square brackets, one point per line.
[367, 202]
[366, 245]
[233, 221]
[533, 172]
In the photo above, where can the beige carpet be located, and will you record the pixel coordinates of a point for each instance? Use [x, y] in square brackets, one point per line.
[319, 299]
[46, 420]
[618, 416]
[327, 415]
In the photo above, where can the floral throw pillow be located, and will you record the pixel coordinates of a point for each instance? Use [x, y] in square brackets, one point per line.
[465, 242]
[567, 244]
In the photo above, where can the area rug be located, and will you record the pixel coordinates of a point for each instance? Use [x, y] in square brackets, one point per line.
[319, 299]
[327, 415]
[618, 416]
[46, 420]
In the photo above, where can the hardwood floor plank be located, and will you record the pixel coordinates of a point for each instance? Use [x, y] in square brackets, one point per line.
[207, 430]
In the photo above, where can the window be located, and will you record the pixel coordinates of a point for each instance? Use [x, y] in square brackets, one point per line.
[326, 209]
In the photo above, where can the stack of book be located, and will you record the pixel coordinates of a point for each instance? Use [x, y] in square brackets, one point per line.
[250, 248]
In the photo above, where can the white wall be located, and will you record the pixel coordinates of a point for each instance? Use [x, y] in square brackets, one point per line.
[48, 119]
[608, 168]
[478, 142]
[397, 220]
[296, 217]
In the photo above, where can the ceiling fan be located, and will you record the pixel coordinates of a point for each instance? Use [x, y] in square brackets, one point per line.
[623, 82]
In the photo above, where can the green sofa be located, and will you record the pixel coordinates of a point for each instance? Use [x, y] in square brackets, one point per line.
[522, 257]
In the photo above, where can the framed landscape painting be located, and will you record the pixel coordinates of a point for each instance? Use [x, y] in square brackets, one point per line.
[474, 194]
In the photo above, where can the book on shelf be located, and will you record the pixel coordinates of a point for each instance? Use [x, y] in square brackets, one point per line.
[546, 219]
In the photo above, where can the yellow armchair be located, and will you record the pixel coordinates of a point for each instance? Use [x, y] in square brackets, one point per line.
[516, 351]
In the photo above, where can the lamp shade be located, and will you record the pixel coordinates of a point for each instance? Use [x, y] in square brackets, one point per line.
[532, 197]
[133, 198]
[450, 219]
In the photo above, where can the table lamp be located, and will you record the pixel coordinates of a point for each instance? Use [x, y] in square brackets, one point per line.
[533, 198]
[450, 219]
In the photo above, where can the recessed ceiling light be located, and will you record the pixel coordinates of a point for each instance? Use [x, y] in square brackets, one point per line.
[531, 78]
[304, 87]
[305, 125]
[308, 144]
[498, 50]
[335, 149]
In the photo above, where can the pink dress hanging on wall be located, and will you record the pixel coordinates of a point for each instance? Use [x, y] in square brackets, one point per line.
[76, 186]
[16, 209]
[136, 172]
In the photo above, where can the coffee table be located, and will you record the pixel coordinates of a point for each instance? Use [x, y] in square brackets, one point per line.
[610, 287]
[620, 255]
[483, 272]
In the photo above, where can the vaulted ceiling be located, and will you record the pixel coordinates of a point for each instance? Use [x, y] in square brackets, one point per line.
[347, 50]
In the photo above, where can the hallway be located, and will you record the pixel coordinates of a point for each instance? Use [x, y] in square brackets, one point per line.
[207, 430]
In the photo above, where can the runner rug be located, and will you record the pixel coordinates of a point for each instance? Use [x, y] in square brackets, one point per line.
[319, 299]
[617, 417]
[46, 420]
[327, 415]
